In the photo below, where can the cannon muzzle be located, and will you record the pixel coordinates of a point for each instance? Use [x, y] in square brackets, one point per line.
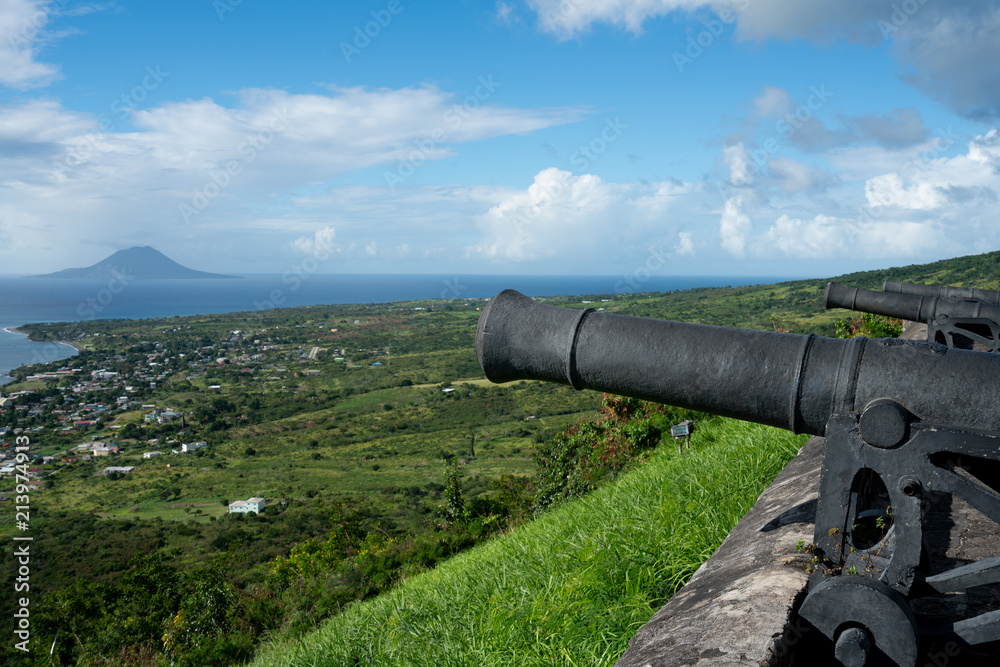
[945, 292]
[792, 381]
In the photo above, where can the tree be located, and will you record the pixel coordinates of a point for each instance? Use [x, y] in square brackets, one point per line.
[454, 497]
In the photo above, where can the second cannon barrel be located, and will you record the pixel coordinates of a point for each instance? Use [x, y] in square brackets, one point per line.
[906, 306]
[945, 292]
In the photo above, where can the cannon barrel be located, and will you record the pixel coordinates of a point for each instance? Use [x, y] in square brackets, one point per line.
[945, 292]
[906, 306]
[792, 381]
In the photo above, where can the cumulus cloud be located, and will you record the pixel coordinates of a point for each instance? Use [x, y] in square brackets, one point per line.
[320, 245]
[889, 190]
[561, 214]
[685, 244]
[569, 18]
[915, 203]
[986, 149]
[737, 160]
[824, 236]
[735, 227]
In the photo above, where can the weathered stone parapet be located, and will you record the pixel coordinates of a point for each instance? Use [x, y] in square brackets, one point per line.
[735, 609]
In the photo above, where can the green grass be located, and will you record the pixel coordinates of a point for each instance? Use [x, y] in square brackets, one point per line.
[572, 587]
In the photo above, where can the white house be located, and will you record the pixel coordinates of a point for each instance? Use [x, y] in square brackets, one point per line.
[255, 505]
[121, 470]
[192, 446]
[149, 455]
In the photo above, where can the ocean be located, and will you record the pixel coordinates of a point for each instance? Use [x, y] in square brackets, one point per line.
[27, 300]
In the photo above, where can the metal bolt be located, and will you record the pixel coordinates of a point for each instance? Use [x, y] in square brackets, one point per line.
[910, 486]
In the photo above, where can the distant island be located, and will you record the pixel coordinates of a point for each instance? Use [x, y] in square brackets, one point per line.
[142, 262]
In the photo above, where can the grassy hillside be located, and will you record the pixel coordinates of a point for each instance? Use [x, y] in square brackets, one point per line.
[572, 587]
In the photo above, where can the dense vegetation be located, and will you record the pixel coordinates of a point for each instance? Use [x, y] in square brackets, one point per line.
[390, 457]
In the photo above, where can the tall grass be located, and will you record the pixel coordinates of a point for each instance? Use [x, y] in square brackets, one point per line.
[573, 586]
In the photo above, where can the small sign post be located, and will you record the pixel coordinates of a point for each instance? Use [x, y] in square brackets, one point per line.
[682, 430]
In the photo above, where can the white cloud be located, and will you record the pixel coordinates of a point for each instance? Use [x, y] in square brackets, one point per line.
[758, 19]
[580, 217]
[986, 149]
[824, 237]
[962, 182]
[888, 190]
[737, 159]
[23, 30]
[568, 18]
[735, 228]
[685, 245]
[320, 245]
[216, 169]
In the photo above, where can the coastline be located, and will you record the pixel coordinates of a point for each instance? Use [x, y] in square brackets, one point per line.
[14, 330]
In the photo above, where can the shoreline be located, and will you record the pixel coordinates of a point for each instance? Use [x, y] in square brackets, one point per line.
[17, 332]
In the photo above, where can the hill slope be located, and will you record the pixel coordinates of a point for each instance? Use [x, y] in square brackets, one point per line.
[143, 262]
[573, 586]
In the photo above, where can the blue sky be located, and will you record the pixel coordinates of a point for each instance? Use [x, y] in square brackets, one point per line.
[736, 137]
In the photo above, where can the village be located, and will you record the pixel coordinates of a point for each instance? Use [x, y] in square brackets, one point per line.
[115, 401]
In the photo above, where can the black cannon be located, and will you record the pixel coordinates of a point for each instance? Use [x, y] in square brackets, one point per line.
[945, 292]
[898, 416]
[950, 321]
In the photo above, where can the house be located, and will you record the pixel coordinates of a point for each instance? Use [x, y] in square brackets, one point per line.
[149, 455]
[255, 505]
[167, 416]
[36, 484]
[121, 470]
[192, 446]
[101, 451]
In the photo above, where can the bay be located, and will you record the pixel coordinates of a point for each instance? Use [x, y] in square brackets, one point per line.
[28, 300]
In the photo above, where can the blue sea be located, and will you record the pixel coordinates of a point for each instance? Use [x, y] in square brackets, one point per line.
[27, 300]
